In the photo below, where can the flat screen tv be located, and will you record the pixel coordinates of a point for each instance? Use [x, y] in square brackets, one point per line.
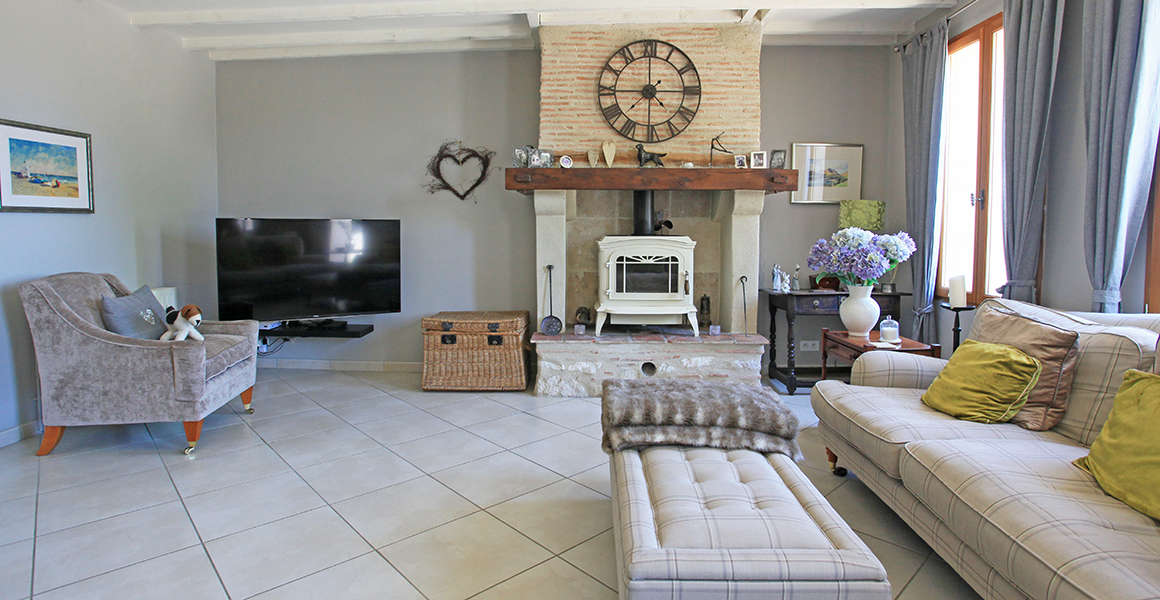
[284, 269]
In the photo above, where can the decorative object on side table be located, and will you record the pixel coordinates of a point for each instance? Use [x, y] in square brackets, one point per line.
[828, 173]
[858, 258]
[455, 152]
[48, 169]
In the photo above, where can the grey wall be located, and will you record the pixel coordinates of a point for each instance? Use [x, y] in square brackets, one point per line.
[351, 137]
[149, 106]
[834, 94]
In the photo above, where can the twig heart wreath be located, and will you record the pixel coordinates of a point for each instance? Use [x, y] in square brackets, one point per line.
[454, 151]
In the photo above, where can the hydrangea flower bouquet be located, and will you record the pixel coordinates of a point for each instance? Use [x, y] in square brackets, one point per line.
[859, 257]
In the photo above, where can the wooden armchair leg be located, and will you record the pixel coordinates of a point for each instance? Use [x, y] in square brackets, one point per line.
[834, 468]
[52, 434]
[246, 397]
[192, 433]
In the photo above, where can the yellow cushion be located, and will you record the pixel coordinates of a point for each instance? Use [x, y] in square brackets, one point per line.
[1125, 458]
[983, 382]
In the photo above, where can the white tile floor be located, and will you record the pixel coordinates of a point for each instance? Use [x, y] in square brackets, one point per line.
[352, 486]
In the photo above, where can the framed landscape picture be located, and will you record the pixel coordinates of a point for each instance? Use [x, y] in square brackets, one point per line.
[827, 173]
[45, 169]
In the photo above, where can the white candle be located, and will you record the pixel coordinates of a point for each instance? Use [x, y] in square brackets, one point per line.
[958, 291]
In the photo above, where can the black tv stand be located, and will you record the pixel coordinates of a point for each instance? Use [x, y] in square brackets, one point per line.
[326, 328]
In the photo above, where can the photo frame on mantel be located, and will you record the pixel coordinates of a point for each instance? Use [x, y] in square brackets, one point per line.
[45, 169]
[827, 173]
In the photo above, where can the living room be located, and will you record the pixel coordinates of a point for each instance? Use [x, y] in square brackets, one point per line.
[179, 140]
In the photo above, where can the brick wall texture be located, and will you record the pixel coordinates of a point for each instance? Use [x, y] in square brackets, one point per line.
[727, 58]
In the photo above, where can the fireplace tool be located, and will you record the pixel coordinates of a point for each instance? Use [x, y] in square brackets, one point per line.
[551, 325]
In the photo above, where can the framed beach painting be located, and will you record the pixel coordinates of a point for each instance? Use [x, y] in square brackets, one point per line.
[827, 173]
[46, 169]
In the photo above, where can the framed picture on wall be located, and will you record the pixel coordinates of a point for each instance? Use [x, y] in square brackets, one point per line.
[827, 173]
[45, 169]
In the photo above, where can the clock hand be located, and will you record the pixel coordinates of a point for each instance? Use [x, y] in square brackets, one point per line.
[635, 103]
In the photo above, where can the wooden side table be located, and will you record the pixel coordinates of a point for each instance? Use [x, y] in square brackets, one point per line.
[840, 345]
[809, 303]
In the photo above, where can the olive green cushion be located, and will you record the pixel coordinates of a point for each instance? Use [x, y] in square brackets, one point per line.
[983, 382]
[1125, 458]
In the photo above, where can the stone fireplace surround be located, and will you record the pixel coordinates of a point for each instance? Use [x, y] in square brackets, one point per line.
[724, 220]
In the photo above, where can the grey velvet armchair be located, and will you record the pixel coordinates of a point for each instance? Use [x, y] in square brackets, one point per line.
[91, 376]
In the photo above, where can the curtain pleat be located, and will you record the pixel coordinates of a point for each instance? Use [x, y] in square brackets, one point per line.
[923, 69]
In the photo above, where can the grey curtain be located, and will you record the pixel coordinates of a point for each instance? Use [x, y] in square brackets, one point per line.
[924, 61]
[1031, 30]
[1121, 52]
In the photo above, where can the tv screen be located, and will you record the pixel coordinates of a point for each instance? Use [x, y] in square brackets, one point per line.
[281, 269]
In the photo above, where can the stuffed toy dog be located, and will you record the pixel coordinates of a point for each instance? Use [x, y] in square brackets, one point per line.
[182, 323]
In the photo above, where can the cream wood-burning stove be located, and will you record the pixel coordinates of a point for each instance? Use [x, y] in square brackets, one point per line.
[646, 280]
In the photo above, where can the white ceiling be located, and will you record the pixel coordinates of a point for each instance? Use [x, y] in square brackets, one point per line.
[263, 29]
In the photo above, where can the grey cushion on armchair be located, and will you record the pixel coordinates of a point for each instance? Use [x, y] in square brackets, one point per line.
[90, 376]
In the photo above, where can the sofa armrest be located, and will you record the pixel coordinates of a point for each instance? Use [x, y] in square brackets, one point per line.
[895, 369]
[247, 329]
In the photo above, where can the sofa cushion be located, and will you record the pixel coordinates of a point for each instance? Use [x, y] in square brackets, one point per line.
[137, 315]
[1105, 354]
[1055, 348]
[224, 351]
[1125, 458]
[1039, 521]
[880, 421]
[983, 382]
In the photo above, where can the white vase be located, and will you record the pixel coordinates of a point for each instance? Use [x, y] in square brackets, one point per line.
[859, 311]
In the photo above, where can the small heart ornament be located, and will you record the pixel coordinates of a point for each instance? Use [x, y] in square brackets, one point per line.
[609, 152]
[594, 158]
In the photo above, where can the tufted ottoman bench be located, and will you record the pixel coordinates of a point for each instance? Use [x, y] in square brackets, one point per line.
[702, 523]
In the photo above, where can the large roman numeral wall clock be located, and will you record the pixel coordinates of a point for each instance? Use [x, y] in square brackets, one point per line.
[649, 91]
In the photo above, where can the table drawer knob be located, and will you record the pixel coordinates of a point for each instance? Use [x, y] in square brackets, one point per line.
[817, 303]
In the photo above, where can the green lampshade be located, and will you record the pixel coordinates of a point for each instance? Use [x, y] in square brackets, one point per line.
[864, 214]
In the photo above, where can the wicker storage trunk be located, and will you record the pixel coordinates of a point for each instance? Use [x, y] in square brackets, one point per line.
[475, 351]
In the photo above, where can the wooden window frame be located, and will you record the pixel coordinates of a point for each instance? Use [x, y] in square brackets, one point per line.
[978, 33]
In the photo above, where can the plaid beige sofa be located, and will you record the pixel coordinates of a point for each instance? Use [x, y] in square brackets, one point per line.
[1001, 504]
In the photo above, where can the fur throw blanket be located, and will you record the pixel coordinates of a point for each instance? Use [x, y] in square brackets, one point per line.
[659, 412]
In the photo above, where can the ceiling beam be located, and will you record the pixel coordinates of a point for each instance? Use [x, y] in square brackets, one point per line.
[639, 16]
[351, 38]
[364, 49]
[828, 40]
[833, 27]
[428, 8]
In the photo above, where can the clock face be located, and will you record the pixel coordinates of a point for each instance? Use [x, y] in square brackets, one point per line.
[649, 91]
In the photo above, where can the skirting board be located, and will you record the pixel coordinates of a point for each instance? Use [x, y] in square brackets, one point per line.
[20, 432]
[340, 365]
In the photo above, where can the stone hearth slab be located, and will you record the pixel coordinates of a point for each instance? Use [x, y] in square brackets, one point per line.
[573, 366]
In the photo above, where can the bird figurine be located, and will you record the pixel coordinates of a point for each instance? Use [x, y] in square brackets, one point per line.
[644, 156]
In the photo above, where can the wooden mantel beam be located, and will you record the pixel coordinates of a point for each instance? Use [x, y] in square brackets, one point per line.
[767, 180]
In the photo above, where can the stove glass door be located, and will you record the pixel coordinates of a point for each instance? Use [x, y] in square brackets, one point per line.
[647, 275]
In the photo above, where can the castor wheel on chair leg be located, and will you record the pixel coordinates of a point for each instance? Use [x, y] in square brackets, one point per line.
[188, 450]
[246, 407]
[839, 471]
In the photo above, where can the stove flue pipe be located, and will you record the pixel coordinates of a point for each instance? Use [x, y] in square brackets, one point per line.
[642, 213]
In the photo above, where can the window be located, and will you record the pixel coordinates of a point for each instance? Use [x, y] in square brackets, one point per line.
[971, 240]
